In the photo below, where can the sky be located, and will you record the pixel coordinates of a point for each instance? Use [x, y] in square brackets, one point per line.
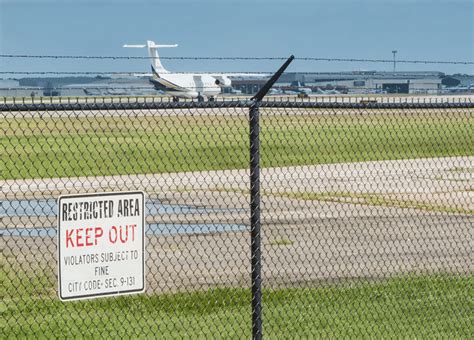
[418, 29]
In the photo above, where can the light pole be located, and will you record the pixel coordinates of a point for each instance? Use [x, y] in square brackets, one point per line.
[394, 60]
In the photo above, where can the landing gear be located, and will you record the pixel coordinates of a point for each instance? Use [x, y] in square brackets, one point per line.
[175, 99]
[200, 98]
[211, 99]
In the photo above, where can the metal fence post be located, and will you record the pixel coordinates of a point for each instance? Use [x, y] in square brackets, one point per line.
[255, 239]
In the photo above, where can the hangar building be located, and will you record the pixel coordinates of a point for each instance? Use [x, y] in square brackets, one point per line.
[353, 82]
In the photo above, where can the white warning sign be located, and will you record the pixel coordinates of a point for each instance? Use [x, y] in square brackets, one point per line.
[101, 245]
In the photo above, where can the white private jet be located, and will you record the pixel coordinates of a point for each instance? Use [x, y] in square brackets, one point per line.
[185, 85]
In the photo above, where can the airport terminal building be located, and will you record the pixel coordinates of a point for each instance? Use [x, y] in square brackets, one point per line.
[357, 82]
[87, 86]
[352, 82]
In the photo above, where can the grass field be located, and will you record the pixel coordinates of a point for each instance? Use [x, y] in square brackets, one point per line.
[405, 306]
[58, 147]
[425, 306]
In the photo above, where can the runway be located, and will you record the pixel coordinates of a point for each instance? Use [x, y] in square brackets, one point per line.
[320, 223]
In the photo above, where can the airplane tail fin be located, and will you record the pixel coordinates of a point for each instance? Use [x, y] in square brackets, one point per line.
[157, 67]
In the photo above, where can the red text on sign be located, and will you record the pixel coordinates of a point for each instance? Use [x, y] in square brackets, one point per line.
[90, 236]
[83, 237]
[122, 233]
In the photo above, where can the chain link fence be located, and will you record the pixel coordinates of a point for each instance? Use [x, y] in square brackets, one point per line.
[366, 216]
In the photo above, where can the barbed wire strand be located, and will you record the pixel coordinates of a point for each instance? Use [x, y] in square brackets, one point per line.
[131, 88]
[131, 72]
[239, 58]
[231, 73]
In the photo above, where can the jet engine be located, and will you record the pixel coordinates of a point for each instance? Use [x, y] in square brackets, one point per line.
[223, 81]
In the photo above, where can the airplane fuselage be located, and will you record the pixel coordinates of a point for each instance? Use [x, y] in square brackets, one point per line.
[186, 85]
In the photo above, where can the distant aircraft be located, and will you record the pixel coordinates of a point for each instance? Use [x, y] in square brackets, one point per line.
[460, 89]
[321, 91]
[305, 90]
[186, 85]
[276, 91]
[300, 88]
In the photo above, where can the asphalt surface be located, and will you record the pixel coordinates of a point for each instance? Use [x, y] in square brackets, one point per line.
[323, 223]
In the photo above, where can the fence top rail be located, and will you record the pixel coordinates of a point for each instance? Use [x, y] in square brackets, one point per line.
[145, 103]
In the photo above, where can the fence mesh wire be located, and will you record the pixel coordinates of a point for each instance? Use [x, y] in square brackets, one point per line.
[367, 214]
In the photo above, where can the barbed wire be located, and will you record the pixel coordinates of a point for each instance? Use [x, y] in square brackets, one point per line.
[151, 88]
[231, 73]
[96, 87]
[367, 60]
[132, 72]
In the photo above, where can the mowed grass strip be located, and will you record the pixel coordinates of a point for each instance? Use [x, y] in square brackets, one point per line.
[94, 146]
[424, 306]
